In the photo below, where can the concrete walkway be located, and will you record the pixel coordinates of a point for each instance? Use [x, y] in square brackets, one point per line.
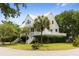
[13, 52]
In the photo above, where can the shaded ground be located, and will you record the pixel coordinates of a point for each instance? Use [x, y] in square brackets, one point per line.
[13, 52]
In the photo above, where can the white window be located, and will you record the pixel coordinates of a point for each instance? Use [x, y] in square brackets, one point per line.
[52, 22]
[51, 30]
[56, 30]
[28, 21]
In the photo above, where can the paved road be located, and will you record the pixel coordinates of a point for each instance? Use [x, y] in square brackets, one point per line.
[13, 52]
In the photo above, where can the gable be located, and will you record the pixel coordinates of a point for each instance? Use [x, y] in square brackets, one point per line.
[30, 19]
[52, 20]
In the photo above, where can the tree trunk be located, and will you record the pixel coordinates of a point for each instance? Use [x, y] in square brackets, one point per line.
[2, 42]
[10, 42]
[41, 38]
[48, 40]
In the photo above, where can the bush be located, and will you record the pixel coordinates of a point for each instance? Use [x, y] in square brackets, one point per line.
[35, 46]
[9, 38]
[76, 42]
[51, 39]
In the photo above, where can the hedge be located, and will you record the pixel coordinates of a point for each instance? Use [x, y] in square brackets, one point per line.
[8, 38]
[51, 39]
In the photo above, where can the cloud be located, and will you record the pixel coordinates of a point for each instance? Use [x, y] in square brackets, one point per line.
[64, 4]
[61, 4]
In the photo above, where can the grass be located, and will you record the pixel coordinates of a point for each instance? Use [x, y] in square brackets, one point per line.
[19, 46]
[57, 46]
[53, 46]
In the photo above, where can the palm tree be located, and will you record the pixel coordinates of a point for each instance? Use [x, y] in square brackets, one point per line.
[40, 23]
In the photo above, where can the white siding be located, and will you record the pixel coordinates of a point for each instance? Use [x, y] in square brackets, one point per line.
[54, 27]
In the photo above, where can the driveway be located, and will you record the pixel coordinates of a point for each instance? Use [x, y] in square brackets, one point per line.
[13, 52]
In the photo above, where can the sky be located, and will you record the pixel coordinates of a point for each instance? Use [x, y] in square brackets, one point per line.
[41, 8]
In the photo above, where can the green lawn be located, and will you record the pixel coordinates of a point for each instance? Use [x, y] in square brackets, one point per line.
[57, 46]
[53, 46]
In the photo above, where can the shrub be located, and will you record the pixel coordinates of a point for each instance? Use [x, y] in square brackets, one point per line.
[35, 46]
[9, 38]
[76, 42]
[51, 39]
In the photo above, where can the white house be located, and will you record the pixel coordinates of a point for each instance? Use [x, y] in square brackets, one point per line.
[54, 28]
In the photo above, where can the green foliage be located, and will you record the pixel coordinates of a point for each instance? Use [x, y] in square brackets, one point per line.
[25, 30]
[40, 23]
[76, 42]
[8, 31]
[51, 39]
[35, 46]
[68, 22]
[8, 11]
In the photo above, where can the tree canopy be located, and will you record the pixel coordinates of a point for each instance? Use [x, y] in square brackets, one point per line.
[8, 31]
[69, 22]
[8, 11]
[40, 23]
[25, 30]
